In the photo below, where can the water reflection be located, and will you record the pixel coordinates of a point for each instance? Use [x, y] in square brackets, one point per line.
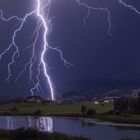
[44, 124]
[73, 127]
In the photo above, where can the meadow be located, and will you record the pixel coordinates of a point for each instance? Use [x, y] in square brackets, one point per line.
[67, 110]
[50, 108]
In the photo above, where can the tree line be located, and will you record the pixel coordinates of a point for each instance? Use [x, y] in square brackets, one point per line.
[129, 105]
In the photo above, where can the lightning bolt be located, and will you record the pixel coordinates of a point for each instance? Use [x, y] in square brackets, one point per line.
[129, 7]
[46, 24]
[43, 21]
[90, 8]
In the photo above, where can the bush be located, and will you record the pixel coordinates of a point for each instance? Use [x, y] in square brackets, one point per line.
[14, 109]
[83, 109]
[102, 104]
[91, 112]
[38, 112]
[111, 112]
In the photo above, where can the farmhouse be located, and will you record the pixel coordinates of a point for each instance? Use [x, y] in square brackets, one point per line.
[33, 99]
[110, 99]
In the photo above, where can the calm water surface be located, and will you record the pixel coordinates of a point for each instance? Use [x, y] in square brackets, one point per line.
[68, 126]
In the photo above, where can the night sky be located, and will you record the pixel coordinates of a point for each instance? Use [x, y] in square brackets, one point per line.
[96, 55]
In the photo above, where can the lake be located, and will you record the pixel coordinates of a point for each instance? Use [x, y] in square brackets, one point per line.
[69, 126]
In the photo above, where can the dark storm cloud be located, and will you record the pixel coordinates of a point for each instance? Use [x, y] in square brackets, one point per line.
[93, 53]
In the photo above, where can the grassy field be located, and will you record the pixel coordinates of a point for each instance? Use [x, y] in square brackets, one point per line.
[66, 110]
[47, 109]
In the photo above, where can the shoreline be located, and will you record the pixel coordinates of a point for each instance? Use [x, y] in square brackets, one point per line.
[109, 123]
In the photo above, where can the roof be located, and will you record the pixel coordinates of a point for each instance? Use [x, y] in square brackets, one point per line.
[33, 97]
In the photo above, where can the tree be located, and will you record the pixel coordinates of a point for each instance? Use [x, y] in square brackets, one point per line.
[38, 112]
[129, 105]
[83, 109]
[14, 109]
[91, 112]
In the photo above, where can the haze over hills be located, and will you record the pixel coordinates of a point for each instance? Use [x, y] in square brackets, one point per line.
[89, 86]
[102, 87]
[93, 83]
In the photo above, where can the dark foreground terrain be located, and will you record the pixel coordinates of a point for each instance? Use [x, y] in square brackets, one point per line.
[32, 134]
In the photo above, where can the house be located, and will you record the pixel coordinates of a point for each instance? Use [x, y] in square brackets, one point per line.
[33, 99]
[110, 99]
[98, 101]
